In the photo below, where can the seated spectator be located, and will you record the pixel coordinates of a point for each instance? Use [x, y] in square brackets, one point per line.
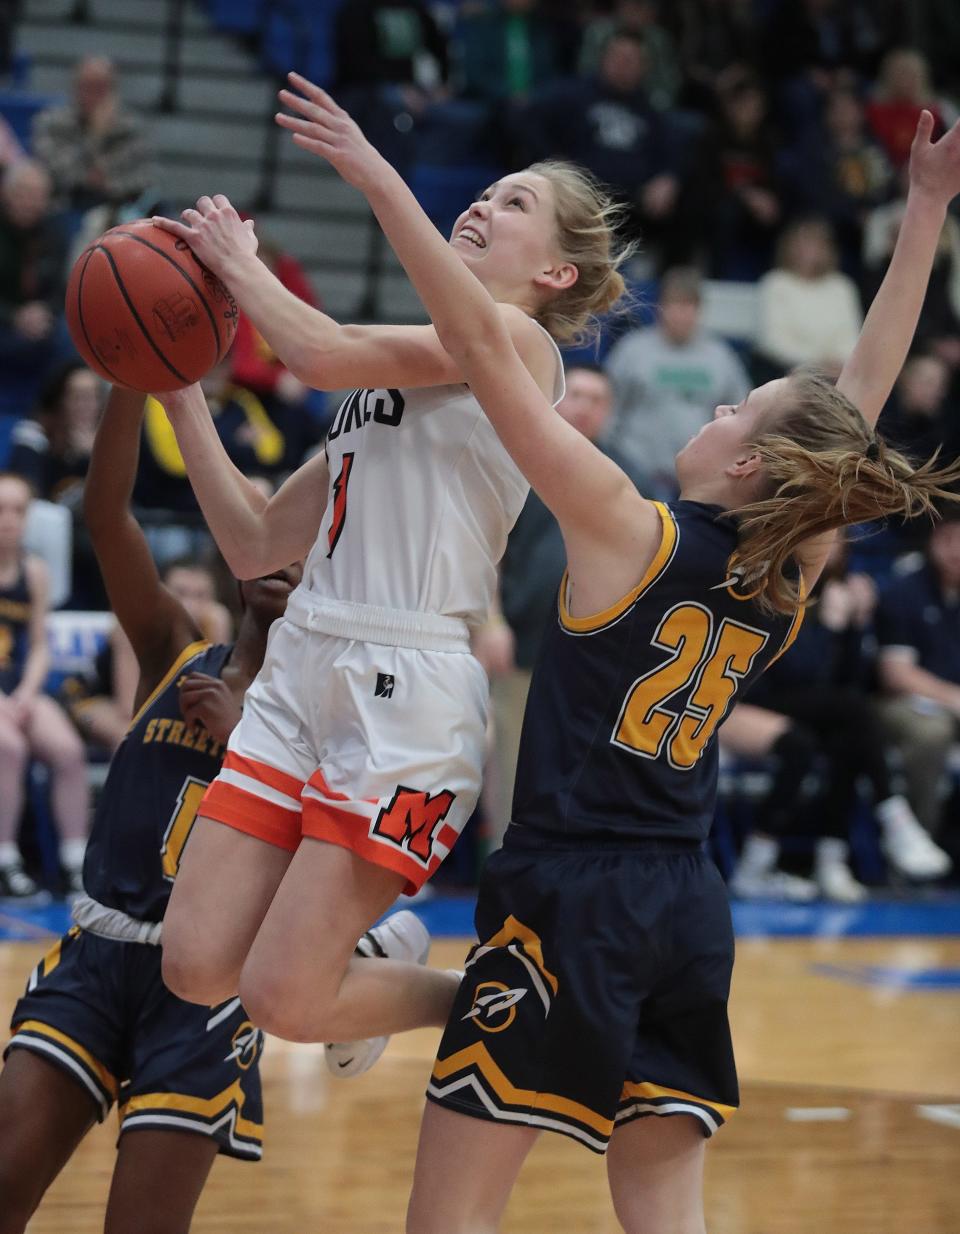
[918, 629]
[841, 173]
[812, 707]
[506, 50]
[734, 202]
[810, 48]
[256, 367]
[903, 90]
[194, 586]
[391, 62]
[607, 124]
[32, 725]
[641, 17]
[33, 248]
[95, 150]
[668, 380]
[251, 438]
[51, 449]
[920, 417]
[715, 38]
[809, 312]
[938, 330]
[530, 575]
[100, 701]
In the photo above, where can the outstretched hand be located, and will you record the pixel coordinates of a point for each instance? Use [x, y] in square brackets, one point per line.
[215, 232]
[323, 128]
[935, 165]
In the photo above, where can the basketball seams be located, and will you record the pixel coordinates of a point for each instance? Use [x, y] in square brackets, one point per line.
[83, 325]
[176, 265]
[138, 319]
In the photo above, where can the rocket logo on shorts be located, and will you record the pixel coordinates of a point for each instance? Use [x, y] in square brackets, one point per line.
[384, 687]
[413, 818]
[494, 1006]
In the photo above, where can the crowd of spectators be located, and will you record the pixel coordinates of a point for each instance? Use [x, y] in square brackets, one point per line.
[758, 141]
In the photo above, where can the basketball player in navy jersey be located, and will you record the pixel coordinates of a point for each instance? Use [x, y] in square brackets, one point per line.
[96, 1025]
[595, 1004]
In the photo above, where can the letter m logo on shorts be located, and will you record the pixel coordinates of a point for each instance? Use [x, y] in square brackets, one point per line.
[412, 819]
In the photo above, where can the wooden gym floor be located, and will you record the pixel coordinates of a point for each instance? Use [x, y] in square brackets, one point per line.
[849, 1054]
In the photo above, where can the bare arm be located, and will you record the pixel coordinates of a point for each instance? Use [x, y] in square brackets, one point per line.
[255, 534]
[155, 622]
[868, 376]
[315, 348]
[610, 531]
[38, 654]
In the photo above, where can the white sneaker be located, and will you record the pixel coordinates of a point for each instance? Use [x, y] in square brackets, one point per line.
[402, 936]
[772, 885]
[833, 874]
[907, 845]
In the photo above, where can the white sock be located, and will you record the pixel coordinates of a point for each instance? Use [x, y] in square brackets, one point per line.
[890, 812]
[759, 855]
[71, 853]
[831, 852]
[9, 854]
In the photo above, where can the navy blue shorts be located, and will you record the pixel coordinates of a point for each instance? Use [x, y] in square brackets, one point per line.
[99, 1010]
[598, 993]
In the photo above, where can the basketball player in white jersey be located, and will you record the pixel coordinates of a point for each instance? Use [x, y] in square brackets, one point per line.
[358, 757]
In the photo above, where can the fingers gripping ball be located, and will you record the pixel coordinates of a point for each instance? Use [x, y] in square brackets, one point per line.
[145, 313]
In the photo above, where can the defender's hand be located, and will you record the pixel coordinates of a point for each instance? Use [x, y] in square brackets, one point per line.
[208, 701]
[935, 166]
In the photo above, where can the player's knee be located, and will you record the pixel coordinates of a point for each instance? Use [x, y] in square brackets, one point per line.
[14, 750]
[191, 978]
[273, 1005]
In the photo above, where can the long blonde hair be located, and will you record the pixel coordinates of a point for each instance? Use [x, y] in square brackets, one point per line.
[586, 220]
[823, 468]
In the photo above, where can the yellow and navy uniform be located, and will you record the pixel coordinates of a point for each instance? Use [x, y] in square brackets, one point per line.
[598, 991]
[619, 735]
[151, 795]
[96, 1006]
[15, 607]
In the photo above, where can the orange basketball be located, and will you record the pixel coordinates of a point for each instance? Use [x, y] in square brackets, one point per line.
[145, 313]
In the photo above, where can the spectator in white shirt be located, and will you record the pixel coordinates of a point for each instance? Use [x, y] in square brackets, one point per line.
[810, 313]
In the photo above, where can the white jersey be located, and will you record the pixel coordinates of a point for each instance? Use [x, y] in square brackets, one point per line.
[422, 498]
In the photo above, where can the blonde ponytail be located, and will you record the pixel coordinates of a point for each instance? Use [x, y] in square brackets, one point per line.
[824, 469]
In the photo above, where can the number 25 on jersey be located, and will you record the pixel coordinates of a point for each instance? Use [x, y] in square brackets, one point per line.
[711, 664]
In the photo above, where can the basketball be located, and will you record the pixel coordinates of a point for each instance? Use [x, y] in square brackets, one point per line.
[145, 313]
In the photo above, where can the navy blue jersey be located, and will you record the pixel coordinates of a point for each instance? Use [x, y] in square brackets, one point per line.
[15, 608]
[619, 735]
[151, 796]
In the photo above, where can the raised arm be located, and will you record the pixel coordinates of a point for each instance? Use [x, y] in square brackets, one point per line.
[155, 622]
[255, 534]
[598, 508]
[868, 376]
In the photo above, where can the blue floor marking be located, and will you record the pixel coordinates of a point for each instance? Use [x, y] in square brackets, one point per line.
[936, 915]
[892, 978]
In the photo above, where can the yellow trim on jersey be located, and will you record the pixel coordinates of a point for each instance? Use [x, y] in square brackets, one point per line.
[795, 625]
[478, 1057]
[52, 958]
[191, 650]
[108, 1082]
[515, 931]
[206, 1107]
[662, 558]
[648, 1092]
